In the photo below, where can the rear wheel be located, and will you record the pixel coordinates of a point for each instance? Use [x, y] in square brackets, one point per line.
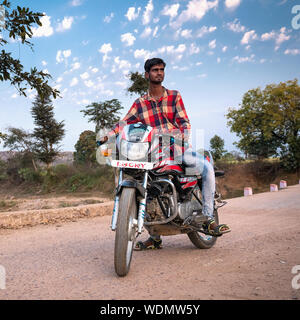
[201, 240]
[125, 232]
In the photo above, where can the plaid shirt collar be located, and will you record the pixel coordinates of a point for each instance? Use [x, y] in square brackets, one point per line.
[148, 96]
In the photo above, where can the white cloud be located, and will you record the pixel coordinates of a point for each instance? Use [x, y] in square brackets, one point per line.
[204, 30]
[121, 84]
[62, 55]
[176, 53]
[224, 49]
[292, 51]
[67, 53]
[66, 24]
[76, 3]
[279, 37]
[14, 96]
[132, 14]
[196, 10]
[108, 19]
[232, 4]
[73, 82]
[89, 83]
[44, 63]
[171, 10]
[84, 76]
[95, 70]
[45, 30]
[122, 64]
[199, 63]
[155, 31]
[212, 44]
[244, 59]
[202, 75]
[194, 49]
[75, 66]
[59, 79]
[128, 38]
[142, 54]
[148, 12]
[105, 49]
[186, 33]
[249, 36]
[146, 33]
[235, 26]
[180, 68]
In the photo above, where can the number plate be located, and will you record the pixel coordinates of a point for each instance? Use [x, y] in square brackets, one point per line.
[132, 164]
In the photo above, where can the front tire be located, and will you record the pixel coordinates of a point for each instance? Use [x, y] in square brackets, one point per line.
[202, 241]
[125, 232]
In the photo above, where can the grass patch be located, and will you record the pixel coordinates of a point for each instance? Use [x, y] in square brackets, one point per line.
[5, 205]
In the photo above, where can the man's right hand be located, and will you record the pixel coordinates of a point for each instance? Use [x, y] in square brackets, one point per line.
[102, 140]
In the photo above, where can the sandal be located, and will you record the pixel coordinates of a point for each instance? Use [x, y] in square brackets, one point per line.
[150, 243]
[218, 231]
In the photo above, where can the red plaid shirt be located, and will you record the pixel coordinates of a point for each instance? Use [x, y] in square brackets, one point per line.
[166, 115]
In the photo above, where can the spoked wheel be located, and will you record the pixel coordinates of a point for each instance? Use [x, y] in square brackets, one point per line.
[125, 232]
[200, 240]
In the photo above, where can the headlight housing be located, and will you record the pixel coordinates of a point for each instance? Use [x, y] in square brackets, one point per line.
[134, 150]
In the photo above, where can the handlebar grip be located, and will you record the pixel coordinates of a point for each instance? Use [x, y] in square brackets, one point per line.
[99, 143]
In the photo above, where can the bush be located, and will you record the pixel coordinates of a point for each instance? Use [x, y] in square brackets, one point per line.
[29, 175]
[64, 171]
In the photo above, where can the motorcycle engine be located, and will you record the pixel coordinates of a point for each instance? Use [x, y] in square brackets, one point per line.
[187, 208]
[153, 210]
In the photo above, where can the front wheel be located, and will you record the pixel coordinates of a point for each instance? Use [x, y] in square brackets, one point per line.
[201, 240]
[125, 232]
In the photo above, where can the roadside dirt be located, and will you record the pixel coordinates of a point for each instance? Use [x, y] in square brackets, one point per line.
[20, 203]
[74, 260]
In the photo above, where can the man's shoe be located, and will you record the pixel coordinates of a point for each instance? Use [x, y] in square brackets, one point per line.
[150, 243]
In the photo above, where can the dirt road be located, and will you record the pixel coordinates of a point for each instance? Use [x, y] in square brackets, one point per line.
[74, 260]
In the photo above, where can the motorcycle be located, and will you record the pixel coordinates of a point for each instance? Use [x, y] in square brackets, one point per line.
[153, 191]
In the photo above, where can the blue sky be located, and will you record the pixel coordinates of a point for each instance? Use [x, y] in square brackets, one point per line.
[215, 52]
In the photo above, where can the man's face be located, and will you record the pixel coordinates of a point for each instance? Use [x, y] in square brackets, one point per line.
[156, 74]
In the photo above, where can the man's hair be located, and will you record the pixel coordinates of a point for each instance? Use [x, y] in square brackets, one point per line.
[153, 62]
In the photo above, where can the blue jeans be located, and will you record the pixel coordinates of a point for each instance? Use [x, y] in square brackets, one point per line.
[197, 162]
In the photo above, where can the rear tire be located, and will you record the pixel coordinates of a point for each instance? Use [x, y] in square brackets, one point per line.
[125, 232]
[202, 241]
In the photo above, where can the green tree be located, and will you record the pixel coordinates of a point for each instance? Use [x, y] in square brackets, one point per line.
[103, 114]
[139, 84]
[48, 132]
[17, 23]
[85, 148]
[217, 147]
[268, 122]
[21, 141]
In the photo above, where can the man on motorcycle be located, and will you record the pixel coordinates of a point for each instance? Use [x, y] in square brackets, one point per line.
[164, 110]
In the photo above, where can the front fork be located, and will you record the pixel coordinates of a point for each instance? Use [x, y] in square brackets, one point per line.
[142, 206]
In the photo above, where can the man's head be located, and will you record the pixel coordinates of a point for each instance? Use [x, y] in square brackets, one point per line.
[154, 70]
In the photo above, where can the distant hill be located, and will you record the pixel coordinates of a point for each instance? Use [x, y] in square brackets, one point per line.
[63, 157]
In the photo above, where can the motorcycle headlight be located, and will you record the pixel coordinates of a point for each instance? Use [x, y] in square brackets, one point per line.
[134, 150]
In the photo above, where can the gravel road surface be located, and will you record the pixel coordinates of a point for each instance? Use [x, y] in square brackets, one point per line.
[74, 260]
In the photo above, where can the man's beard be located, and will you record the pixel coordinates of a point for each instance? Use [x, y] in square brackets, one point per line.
[157, 82]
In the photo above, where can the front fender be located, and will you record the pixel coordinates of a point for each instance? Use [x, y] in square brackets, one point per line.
[131, 184]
